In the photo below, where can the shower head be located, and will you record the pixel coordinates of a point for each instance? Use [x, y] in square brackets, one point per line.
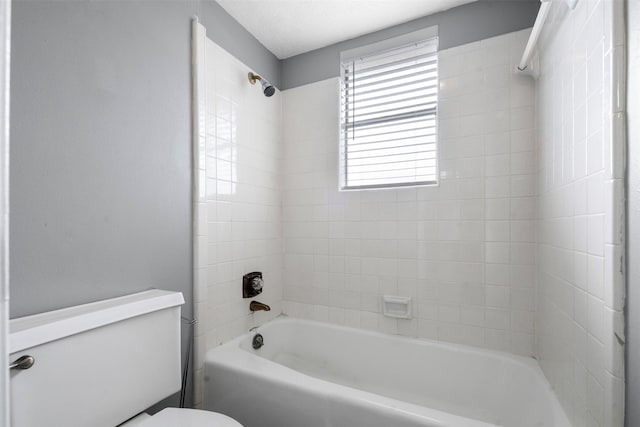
[267, 88]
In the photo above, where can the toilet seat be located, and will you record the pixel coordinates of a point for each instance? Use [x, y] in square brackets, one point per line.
[183, 417]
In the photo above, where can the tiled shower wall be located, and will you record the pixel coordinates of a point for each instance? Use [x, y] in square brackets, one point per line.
[580, 325]
[463, 250]
[237, 201]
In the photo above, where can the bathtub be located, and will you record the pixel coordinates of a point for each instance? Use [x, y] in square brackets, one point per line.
[311, 374]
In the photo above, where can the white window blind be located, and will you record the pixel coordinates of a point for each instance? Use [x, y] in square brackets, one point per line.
[389, 111]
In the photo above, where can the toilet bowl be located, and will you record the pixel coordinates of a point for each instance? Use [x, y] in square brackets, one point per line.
[123, 352]
[182, 417]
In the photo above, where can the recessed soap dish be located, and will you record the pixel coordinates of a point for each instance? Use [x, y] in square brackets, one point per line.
[396, 306]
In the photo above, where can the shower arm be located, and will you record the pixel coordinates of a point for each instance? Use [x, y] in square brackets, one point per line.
[253, 78]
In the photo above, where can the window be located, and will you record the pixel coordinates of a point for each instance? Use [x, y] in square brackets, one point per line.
[389, 113]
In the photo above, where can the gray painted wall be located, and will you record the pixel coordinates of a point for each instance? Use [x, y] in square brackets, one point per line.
[101, 159]
[633, 216]
[457, 26]
[101, 146]
[225, 31]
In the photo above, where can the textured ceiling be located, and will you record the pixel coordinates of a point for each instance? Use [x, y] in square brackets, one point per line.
[291, 27]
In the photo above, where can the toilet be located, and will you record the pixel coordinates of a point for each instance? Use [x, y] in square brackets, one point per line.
[182, 417]
[102, 365]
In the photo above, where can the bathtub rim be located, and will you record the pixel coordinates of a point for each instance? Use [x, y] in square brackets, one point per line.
[525, 361]
[227, 355]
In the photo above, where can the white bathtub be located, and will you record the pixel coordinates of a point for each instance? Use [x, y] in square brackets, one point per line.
[311, 374]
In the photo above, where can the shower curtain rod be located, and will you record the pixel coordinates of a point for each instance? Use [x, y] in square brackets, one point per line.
[526, 64]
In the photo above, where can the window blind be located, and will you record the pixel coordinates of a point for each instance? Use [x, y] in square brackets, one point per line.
[389, 110]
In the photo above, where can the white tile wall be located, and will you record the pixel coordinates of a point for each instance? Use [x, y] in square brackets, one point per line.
[238, 211]
[633, 145]
[464, 250]
[580, 296]
[518, 240]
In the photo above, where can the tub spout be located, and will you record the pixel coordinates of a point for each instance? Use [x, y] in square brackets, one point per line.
[257, 306]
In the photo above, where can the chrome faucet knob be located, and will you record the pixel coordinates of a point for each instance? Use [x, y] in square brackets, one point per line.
[257, 283]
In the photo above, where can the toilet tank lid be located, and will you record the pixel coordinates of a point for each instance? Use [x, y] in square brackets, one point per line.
[29, 331]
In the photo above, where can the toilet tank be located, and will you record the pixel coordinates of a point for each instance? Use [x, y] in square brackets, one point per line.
[96, 364]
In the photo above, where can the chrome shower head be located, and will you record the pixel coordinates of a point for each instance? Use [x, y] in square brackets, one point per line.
[267, 88]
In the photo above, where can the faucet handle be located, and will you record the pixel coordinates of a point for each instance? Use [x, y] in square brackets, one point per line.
[257, 283]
